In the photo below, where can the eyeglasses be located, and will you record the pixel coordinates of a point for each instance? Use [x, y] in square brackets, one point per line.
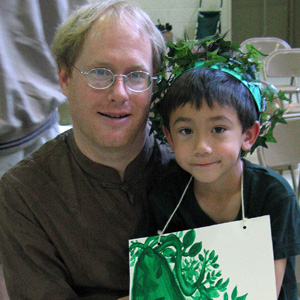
[102, 78]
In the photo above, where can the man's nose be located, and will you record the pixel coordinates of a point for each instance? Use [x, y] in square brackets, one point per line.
[119, 91]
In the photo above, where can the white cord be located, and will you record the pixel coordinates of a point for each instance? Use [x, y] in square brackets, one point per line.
[182, 196]
[242, 196]
[161, 232]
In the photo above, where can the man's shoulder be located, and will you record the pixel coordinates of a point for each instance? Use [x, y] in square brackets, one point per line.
[46, 158]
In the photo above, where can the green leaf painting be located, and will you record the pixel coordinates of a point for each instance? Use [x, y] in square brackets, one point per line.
[177, 268]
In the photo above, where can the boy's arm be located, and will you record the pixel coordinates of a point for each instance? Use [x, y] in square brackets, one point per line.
[280, 265]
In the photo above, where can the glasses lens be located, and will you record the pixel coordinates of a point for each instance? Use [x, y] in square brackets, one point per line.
[100, 78]
[138, 80]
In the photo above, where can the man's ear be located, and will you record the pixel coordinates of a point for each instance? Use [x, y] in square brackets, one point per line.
[250, 136]
[167, 134]
[64, 77]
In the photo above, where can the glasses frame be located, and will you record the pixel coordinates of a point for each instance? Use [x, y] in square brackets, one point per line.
[86, 74]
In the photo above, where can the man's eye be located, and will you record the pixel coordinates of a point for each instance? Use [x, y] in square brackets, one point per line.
[219, 129]
[134, 75]
[100, 72]
[186, 131]
[137, 75]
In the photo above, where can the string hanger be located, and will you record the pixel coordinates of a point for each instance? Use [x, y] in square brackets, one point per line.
[161, 232]
[244, 219]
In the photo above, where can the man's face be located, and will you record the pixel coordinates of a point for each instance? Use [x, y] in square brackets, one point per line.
[114, 117]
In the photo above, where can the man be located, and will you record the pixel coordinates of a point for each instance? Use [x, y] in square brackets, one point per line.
[68, 210]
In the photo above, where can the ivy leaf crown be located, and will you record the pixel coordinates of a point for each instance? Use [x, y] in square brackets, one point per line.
[183, 56]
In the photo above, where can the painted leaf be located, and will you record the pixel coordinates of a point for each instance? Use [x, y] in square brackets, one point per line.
[234, 294]
[195, 249]
[189, 238]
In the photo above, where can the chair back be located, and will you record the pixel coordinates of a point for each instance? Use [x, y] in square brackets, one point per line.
[265, 45]
[285, 154]
[283, 63]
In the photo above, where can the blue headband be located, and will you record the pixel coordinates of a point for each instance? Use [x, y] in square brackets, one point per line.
[251, 86]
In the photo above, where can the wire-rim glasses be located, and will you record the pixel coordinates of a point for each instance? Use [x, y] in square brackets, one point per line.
[103, 78]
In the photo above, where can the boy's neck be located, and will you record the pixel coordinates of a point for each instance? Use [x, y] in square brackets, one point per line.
[221, 202]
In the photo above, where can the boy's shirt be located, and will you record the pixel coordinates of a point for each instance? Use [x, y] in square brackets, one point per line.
[265, 193]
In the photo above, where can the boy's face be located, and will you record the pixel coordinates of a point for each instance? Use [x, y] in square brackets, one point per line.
[207, 142]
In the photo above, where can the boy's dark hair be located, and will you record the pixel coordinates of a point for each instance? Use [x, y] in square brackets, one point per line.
[215, 87]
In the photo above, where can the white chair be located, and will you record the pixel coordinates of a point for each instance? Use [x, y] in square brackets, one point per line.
[265, 45]
[283, 66]
[285, 154]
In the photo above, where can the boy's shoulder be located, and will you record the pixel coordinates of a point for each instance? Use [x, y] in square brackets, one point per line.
[260, 171]
[265, 181]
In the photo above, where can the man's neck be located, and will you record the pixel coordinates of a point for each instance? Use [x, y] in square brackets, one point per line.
[117, 158]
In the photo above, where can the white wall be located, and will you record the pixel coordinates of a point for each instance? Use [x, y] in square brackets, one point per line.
[182, 14]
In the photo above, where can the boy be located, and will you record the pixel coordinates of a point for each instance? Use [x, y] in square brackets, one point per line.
[209, 116]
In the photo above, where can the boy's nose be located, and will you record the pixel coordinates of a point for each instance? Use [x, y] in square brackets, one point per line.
[202, 146]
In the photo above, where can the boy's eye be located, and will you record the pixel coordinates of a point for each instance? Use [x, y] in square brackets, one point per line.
[185, 131]
[218, 130]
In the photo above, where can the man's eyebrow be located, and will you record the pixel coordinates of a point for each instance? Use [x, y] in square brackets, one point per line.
[109, 65]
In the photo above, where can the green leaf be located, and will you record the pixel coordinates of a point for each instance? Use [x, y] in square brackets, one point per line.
[215, 259]
[225, 284]
[189, 238]
[219, 282]
[234, 294]
[212, 255]
[195, 249]
[213, 293]
[242, 297]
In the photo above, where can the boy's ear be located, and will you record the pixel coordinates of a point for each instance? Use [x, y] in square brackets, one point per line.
[167, 134]
[250, 136]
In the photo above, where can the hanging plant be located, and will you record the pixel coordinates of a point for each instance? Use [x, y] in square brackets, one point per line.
[183, 55]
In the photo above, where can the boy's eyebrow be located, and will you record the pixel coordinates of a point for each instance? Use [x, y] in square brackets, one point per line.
[218, 118]
[182, 119]
[212, 119]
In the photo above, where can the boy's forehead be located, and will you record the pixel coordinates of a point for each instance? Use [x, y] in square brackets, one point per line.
[190, 111]
[213, 106]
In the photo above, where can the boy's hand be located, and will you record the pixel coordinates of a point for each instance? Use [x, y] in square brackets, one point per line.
[124, 298]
